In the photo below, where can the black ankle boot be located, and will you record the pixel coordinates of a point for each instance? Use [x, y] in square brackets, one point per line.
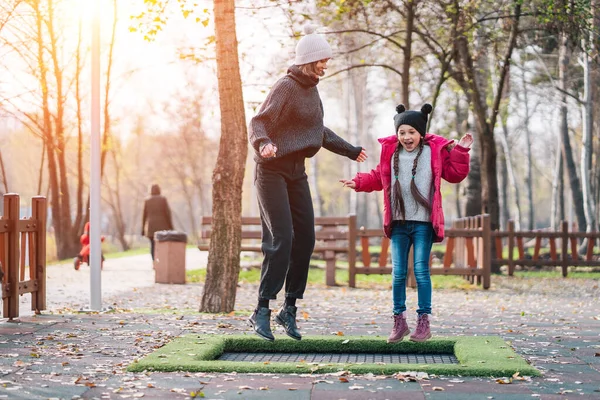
[286, 317]
[261, 322]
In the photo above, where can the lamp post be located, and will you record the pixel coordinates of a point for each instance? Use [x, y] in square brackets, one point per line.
[95, 242]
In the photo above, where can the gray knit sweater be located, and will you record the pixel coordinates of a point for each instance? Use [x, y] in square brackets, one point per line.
[423, 179]
[292, 119]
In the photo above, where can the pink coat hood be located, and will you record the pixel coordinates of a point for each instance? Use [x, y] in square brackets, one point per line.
[448, 162]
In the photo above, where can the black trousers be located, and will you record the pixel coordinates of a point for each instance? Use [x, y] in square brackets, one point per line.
[288, 226]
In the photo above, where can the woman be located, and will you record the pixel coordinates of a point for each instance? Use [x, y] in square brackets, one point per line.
[156, 216]
[287, 130]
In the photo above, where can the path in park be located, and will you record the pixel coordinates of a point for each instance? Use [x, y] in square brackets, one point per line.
[553, 323]
[68, 288]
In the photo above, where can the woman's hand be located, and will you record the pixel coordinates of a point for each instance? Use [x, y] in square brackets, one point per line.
[269, 151]
[466, 141]
[348, 183]
[362, 156]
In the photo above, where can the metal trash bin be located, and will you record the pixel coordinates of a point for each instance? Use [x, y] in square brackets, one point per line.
[169, 256]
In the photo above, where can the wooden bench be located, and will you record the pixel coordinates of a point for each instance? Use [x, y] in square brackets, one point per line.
[334, 235]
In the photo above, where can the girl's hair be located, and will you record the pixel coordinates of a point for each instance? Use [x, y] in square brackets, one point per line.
[310, 69]
[398, 200]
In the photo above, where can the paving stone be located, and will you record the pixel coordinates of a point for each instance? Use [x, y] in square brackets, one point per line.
[557, 318]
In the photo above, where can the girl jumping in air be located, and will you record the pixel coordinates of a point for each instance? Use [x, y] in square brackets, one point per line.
[410, 170]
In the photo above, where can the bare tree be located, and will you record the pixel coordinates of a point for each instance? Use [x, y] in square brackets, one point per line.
[224, 254]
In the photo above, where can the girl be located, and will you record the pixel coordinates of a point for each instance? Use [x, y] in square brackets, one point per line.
[288, 129]
[410, 169]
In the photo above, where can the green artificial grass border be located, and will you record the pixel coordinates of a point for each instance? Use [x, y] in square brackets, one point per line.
[477, 355]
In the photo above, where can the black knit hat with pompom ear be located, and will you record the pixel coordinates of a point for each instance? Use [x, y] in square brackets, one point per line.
[416, 119]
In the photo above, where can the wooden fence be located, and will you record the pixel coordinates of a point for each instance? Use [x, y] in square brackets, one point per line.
[20, 238]
[562, 239]
[468, 248]
[468, 253]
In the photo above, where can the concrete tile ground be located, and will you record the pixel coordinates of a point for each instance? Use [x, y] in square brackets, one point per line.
[553, 323]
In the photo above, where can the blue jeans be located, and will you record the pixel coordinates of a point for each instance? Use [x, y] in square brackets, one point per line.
[420, 236]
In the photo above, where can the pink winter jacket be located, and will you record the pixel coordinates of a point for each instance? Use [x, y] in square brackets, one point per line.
[452, 165]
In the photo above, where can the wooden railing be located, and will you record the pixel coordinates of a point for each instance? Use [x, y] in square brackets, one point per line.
[333, 236]
[562, 239]
[468, 248]
[468, 253]
[20, 238]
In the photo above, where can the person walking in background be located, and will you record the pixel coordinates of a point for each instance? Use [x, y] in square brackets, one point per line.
[410, 171]
[287, 130]
[156, 216]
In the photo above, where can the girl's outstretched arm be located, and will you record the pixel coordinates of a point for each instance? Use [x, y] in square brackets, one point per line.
[456, 162]
[368, 181]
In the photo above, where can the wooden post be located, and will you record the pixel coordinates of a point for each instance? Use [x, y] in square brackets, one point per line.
[385, 248]
[538, 245]
[590, 247]
[487, 248]
[564, 243]
[38, 213]
[448, 255]
[472, 224]
[351, 251]
[511, 247]
[23, 244]
[574, 254]
[10, 220]
[364, 246]
[330, 268]
[521, 248]
[553, 255]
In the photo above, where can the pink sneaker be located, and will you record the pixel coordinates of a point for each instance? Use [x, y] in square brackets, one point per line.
[422, 333]
[400, 328]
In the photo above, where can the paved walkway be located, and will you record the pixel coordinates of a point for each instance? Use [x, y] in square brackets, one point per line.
[70, 289]
[553, 323]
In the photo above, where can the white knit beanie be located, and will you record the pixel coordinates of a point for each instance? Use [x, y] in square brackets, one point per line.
[312, 47]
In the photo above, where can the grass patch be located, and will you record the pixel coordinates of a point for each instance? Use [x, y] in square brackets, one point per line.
[477, 355]
[316, 276]
[189, 311]
[573, 274]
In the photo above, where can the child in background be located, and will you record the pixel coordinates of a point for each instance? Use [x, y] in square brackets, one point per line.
[411, 166]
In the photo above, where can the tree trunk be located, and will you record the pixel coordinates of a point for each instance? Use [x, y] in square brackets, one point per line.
[485, 126]
[4, 179]
[528, 158]
[351, 130]
[106, 133]
[512, 180]
[567, 153]
[473, 184]
[587, 149]
[79, 222]
[65, 245]
[358, 80]
[114, 203]
[406, 62]
[224, 254]
[504, 188]
[460, 126]
[557, 209]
